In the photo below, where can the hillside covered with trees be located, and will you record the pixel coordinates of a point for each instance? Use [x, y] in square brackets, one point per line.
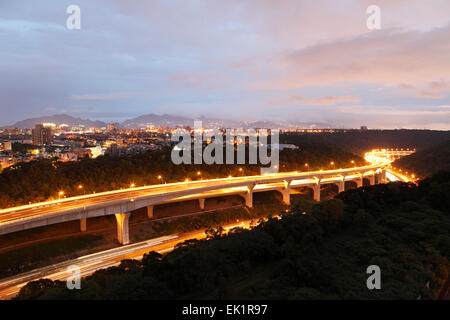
[427, 162]
[315, 251]
[42, 180]
[359, 142]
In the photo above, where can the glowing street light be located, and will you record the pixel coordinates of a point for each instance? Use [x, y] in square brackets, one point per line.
[132, 185]
[81, 187]
[60, 194]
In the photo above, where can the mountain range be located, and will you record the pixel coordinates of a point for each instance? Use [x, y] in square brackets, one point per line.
[166, 120]
[58, 119]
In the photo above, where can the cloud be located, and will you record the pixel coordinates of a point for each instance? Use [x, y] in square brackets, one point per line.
[386, 57]
[102, 96]
[390, 111]
[232, 60]
[198, 80]
[406, 86]
[429, 95]
[441, 84]
[322, 101]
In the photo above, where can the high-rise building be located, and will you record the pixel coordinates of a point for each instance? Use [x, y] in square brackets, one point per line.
[112, 127]
[41, 135]
[7, 146]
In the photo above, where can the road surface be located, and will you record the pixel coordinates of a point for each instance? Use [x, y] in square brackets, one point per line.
[9, 287]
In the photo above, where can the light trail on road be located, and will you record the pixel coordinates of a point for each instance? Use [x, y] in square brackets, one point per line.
[49, 209]
[88, 264]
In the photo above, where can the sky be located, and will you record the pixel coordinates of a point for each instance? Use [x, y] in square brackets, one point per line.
[290, 60]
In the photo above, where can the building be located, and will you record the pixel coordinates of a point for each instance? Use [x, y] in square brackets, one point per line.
[5, 162]
[68, 156]
[7, 146]
[282, 146]
[113, 127]
[41, 135]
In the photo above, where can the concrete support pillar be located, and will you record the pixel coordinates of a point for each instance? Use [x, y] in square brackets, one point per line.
[383, 176]
[341, 186]
[359, 182]
[150, 212]
[201, 203]
[377, 178]
[83, 226]
[316, 190]
[249, 197]
[123, 235]
[287, 193]
[372, 179]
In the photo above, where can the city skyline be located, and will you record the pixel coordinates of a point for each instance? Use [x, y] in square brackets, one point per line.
[234, 60]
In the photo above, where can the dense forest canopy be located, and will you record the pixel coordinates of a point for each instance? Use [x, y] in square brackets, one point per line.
[359, 142]
[427, 162]
[315, 251]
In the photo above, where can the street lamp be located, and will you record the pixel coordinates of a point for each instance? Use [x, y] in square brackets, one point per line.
[80, 186]
[60, 194]
[132, 185]
[199, 173]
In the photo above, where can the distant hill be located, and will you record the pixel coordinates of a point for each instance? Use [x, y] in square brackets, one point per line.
[359, 142]
[151, 119]
[427, 161]
[59, 119]
[166, 120]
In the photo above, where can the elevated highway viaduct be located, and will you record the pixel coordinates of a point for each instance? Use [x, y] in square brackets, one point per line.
[121, 203]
